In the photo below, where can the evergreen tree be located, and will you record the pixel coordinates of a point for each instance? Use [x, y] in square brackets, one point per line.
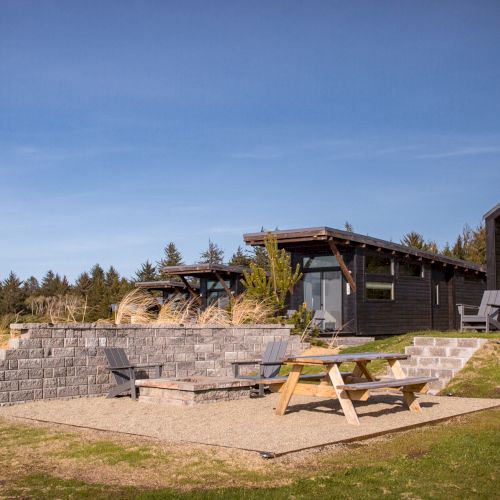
[260, 258]
[458, 248]
[240, 258]
[348, 227]
[274, 286]
[12, 295]
[171, 257]
[31, 286]
[147, 272]
[83, 284]
[212, 255]
[97, 296]
[413, 240]
[53, 285]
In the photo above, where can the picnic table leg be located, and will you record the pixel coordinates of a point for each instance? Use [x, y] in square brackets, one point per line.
[288, 389]
[343, 396]
[409, 396]
[361, 369]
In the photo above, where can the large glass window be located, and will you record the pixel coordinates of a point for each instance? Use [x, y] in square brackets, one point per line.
[379, 264]
[320, 261]
[413, 269]
[379, 291]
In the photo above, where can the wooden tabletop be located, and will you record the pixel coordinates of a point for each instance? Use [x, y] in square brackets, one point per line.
[345, 358]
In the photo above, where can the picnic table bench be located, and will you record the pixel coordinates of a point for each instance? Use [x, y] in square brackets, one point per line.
[350, 386]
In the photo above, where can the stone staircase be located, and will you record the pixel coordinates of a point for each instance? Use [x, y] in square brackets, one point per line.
[439, 357]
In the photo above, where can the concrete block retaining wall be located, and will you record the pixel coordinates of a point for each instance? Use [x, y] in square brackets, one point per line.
[67, 360]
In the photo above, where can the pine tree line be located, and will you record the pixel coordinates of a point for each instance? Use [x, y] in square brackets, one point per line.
[470, 244]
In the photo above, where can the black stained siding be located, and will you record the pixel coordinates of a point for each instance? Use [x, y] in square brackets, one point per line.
[414, 306]
[410, 309]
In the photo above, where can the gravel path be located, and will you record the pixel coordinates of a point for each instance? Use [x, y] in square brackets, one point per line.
[250, 423]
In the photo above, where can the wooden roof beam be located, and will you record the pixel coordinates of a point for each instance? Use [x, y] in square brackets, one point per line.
[192, 291]
[224, 285]
[342, 264]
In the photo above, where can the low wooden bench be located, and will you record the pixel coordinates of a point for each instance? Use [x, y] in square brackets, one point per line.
[408, 386]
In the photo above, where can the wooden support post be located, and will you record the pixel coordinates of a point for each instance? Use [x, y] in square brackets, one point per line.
[190, 289]
[361, 369]
[409, 396]
[343, 396]
[342, 264]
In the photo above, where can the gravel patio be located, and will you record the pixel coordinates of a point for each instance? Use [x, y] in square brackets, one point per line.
[248, 424]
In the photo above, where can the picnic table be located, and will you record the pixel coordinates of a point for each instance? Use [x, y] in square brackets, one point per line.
[351, 386]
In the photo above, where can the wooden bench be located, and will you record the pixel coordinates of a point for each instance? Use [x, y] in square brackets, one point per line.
[408, 386]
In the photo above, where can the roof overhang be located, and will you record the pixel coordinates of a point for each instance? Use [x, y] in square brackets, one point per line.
[494, 213]
[163, 285]
[205, 270]
[316, 240]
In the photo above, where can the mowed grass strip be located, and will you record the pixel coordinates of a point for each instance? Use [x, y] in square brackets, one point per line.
[458, 459]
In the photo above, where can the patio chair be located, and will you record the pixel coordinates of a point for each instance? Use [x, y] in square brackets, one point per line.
[124, 372]
[486, 317]
[269, 367]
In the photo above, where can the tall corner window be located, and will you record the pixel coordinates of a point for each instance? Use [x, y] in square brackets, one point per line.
[412, 269]
[379, 264]
[377, 290]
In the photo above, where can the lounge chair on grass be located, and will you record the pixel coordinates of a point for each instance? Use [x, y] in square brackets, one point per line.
[124, 372]
[486, 317]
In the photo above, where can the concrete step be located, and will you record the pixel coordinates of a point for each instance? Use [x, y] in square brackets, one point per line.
[439, 357]
[352, 341]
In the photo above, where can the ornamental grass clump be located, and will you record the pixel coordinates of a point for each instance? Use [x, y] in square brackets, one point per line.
[177, 312]
[137, 306]
[245, 310]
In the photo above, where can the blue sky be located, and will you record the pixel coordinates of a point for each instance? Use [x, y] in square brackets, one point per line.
[125, 125]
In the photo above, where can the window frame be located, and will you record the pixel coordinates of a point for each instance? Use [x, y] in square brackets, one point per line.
[390, 286]
[409, 276]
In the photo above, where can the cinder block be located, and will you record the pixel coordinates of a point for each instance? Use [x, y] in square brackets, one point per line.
[67, 391]
[30, 384]
[49, 393]
[29, 343]
[9, 385]
[204, 348]
[35, 373]
[451, 363]
[445, 342]
[16, 374]
[63, 352]
[18, 396]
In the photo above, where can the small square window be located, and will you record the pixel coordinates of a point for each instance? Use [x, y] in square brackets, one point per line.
[413, 269]
[379, 264]
[376, 290]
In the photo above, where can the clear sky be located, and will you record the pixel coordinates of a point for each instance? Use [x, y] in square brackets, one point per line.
[128, 124]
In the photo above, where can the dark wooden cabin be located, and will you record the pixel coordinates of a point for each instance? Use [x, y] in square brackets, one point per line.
[217, 282]
[492, 220]
[376, 287]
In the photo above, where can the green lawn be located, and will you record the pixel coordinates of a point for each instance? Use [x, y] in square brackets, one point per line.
[458, 459]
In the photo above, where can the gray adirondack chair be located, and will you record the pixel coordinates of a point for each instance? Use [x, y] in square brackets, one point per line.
[124, 372]
[269, 366]
[486, 317]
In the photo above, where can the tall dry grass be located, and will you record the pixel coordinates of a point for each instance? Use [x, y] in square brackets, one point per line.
[137, 306]
[59, 309]
[245, 310]
[141, 307]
